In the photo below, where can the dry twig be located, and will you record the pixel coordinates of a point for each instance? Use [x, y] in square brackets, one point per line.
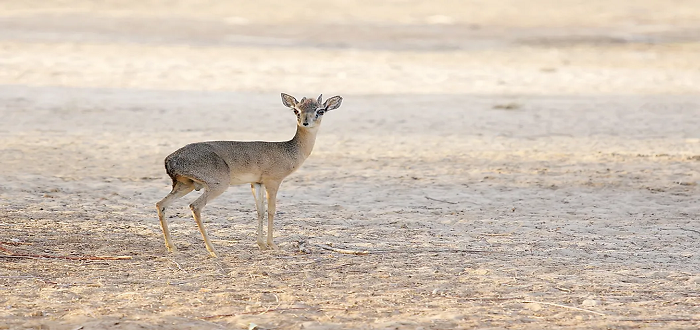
[498, 234]
[304, 248]
[10, 254]
[563, 306]
[272, 310]
[178, 265]
[15, 243]
[344, 251]
[482, 298]
[437, 251]
[661, 320]
[440, 200]
[688, 229]
[5, 250]
[45, 256]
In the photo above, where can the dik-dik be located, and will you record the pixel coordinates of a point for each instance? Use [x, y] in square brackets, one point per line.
[216, 165]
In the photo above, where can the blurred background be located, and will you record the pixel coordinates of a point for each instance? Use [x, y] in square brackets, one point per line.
[361, 47]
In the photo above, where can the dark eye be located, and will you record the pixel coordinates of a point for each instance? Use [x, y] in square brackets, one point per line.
[320, 112]
[296, 112]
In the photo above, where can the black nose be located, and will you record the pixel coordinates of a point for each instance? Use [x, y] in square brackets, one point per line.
[306, 124]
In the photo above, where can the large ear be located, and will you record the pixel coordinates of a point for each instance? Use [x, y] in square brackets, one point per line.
[333, 103]
[319, 98]
[289, 101]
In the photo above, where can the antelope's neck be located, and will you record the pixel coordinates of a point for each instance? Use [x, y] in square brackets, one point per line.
[304, 140]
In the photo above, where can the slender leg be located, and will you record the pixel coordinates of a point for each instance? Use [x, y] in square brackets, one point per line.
[257, 189]
[179, 189]
[211, 191]
[271, 188]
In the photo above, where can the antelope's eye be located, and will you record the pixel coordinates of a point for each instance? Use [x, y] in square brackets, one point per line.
[320, 112]
[296, 112]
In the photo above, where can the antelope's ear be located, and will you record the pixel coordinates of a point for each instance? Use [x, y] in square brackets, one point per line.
[333, 103]
[319, 98]
[289, 101]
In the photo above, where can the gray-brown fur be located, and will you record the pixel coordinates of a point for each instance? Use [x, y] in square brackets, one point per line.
[216, 165]
[195, 161]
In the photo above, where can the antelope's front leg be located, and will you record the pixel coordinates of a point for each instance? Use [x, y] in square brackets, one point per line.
[271, 189]
[257, 189]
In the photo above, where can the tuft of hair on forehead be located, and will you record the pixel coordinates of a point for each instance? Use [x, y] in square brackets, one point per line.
[307, 103]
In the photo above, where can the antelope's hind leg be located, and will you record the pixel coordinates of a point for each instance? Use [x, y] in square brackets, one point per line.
[179, 189]
[211, 191]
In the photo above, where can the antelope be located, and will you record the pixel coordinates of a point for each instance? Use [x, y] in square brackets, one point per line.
[216, 165]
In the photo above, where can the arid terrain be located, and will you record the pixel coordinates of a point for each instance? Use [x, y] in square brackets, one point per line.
[504, 165]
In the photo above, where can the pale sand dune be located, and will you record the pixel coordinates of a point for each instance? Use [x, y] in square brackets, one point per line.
[560, 139]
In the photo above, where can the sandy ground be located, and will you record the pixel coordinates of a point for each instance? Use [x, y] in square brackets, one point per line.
[507, 166]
